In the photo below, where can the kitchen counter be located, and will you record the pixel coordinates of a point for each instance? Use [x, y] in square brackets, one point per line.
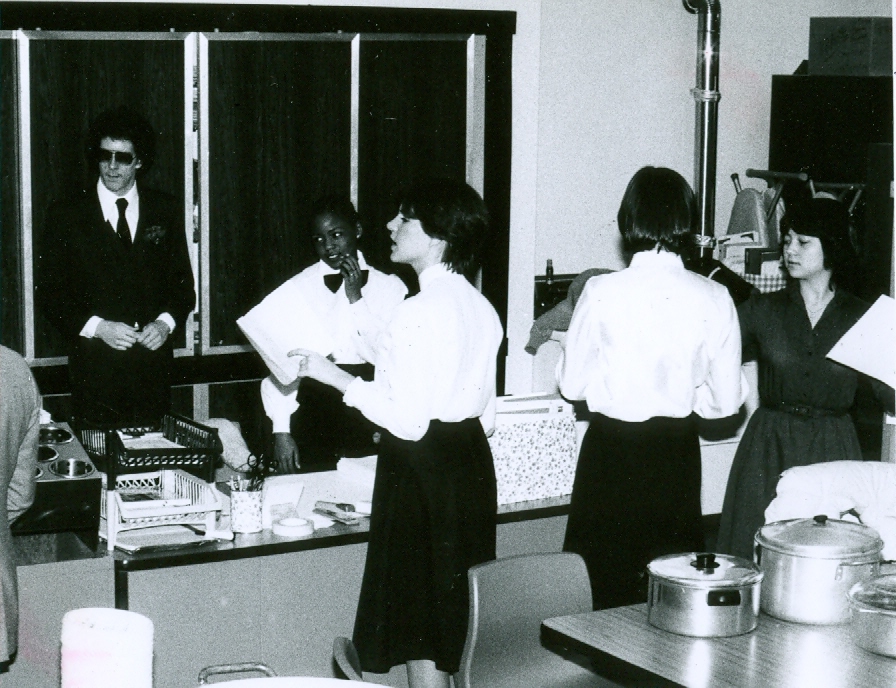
[259, 598]
[60, 547]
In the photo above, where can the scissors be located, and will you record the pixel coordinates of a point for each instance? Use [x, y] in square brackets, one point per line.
[259, 467]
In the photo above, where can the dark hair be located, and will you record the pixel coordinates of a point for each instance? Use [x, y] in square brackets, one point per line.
[658, 208]
[124, 124]
[827, 219]
[335, 205]
[452, 211]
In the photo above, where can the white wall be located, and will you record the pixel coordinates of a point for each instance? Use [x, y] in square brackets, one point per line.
[614, 95]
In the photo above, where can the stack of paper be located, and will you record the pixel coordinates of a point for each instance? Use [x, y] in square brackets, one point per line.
[284, 321]
[868, 345]
[359, 472]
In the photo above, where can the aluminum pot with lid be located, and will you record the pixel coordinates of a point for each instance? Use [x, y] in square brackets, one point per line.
[703, 595]
[811, 563]
[873, 624]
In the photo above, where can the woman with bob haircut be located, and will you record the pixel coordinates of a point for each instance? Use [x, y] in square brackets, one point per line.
[433, 393]
[649, 348]
[804, 398]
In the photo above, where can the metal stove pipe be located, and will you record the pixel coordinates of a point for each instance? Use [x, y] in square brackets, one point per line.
[706, 94]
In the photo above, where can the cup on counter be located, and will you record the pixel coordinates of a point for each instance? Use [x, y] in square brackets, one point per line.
[245, 511]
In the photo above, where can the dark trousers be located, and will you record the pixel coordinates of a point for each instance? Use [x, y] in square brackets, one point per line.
[116, 389]
[325, 429]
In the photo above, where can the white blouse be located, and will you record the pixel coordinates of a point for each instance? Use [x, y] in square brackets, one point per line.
[654, 340]
[354, 327]
[436, 360]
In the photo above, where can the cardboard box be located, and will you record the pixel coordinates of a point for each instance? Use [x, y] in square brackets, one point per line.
[850, 46]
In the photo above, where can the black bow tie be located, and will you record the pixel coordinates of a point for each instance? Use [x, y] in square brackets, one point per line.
[334, 281]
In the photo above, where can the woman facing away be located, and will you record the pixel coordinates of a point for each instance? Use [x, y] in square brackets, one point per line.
[433, 393]
[804, 398]
[649, 348]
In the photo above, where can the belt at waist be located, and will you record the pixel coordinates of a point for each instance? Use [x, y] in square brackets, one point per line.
[804, 411]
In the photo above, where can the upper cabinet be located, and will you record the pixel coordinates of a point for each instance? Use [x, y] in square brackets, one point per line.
[65, 80]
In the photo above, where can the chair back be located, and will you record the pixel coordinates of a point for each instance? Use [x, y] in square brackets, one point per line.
[509, 598]
[347, 659]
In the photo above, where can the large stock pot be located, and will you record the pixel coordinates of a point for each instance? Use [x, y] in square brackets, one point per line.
[811, 563]
[703, 595]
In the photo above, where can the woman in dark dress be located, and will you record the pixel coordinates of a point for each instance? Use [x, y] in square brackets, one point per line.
[433, 393]
[805, 398]
[649, 348]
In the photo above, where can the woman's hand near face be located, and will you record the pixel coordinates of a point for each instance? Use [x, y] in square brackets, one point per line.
[352, 277]
[321, 369]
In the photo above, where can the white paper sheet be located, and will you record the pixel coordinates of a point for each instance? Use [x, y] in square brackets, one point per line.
[870, 345]
[284, 321]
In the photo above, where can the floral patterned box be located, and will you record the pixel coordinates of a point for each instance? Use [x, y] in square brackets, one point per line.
[534, 447]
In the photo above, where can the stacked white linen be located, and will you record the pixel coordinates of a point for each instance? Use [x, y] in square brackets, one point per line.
[835, 488]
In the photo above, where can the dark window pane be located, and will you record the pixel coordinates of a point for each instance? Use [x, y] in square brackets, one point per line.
[73, 81]
[11, 332]
[413, 100]
[281, 114]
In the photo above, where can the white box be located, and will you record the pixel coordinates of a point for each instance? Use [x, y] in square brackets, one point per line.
[535, 447]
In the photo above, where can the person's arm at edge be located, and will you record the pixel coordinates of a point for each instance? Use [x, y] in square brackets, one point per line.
[20, 493]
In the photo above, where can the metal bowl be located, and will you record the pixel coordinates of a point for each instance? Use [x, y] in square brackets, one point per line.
[71, 468]
[46, 453]
[55, 435]
[38, 472]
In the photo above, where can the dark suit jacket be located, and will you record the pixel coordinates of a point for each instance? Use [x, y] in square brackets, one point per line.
[85, 270]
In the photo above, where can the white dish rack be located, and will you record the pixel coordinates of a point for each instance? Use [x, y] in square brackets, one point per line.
[182, 500]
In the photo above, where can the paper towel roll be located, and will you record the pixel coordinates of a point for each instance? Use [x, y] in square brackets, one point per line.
[106, 648]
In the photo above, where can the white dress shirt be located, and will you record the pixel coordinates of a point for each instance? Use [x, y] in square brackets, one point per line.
[353, 327]
[108, 202]
[654, 340]
[436, 360]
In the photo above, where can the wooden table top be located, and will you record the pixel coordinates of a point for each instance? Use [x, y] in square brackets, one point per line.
[778, 653]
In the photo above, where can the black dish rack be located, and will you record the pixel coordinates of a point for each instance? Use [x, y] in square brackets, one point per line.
[198, 455]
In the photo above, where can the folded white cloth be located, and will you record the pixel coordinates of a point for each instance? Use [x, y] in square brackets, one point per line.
[236, 453]
[868, 487]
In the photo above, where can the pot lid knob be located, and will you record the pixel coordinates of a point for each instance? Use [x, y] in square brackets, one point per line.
[705, 562]
[821, 519]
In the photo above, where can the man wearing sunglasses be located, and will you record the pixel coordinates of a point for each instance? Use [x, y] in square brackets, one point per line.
[115, 279]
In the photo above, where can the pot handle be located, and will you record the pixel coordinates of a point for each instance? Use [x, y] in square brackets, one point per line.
[839, 574]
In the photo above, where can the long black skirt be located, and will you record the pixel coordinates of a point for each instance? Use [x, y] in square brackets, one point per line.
[636, 496]
[434, 516]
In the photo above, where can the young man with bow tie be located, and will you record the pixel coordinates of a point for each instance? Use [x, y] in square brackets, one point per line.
[115, 279]
[355, 302]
